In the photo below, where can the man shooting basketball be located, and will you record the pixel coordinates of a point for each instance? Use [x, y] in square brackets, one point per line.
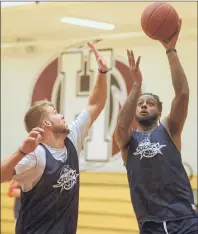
[48, 174]
[160, 190]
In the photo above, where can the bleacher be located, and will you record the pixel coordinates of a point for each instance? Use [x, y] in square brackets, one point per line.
[105, 206]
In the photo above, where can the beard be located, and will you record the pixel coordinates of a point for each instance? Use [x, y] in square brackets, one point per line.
[147, 120]
[60, 129]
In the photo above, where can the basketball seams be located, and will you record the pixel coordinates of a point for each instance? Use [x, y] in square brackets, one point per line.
[163, 22]
[152, 14]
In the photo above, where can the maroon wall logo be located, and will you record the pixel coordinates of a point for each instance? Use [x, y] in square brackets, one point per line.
[45, 83]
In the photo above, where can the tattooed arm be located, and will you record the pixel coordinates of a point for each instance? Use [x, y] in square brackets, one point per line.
[127, 112]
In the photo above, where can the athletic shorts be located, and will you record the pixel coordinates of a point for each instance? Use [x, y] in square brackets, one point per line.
[184, 226]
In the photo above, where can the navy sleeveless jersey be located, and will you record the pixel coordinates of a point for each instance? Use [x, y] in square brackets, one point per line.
[159, 186]
[51, 207]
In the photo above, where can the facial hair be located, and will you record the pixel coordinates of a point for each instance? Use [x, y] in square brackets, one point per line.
[147, 120]
[60, 129]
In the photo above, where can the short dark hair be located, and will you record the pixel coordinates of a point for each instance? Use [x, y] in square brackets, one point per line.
[159, 103]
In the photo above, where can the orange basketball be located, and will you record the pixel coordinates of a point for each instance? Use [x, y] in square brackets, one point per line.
[159, 21]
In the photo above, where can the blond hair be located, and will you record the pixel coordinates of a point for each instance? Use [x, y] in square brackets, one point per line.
[35, 114]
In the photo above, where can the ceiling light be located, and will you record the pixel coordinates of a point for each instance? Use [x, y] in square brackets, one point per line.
[88, 23]
[12, 4]
[123, 35]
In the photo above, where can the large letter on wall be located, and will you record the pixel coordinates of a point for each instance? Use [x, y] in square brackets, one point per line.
[80, 71]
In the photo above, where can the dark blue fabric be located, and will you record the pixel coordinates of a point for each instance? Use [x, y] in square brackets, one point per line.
[184, 226]
[17, 207]
[51, 207]
[159, 186]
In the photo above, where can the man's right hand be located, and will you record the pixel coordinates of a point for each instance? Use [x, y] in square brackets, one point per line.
[134, 67]
[173, 41]
[34, 138]
[29, 145]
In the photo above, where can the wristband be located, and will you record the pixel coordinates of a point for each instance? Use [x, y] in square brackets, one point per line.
[21, 152]
[171, 49]
[103, 72]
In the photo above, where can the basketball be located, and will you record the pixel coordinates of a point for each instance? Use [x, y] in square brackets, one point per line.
[159, 21]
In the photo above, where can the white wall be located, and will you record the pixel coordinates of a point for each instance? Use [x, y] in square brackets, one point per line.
[17, 81]
[18, 76]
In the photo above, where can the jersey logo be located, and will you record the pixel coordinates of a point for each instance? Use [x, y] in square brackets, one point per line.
[193, 207]
[67, 179]
[147, 149]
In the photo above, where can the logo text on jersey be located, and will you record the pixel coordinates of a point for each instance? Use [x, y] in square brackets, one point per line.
[148, 149]
[67, 180]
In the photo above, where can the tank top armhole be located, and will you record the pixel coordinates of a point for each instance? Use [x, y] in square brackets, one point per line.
[164, 124]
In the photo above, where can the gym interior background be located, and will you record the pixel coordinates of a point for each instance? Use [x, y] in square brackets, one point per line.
[43, 57]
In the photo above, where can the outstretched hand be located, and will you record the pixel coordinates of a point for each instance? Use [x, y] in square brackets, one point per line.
[173, 40]
[134, 67]
[102, 66]
[34, 138]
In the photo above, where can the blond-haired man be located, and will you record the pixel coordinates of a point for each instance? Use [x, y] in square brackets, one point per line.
[49, 171]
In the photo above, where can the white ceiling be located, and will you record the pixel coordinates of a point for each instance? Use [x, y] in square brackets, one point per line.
[39, 24]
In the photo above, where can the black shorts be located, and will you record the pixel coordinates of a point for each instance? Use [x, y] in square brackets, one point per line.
[184, 226]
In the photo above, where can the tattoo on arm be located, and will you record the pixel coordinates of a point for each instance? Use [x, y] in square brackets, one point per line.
[127, 112]
[126, 116]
